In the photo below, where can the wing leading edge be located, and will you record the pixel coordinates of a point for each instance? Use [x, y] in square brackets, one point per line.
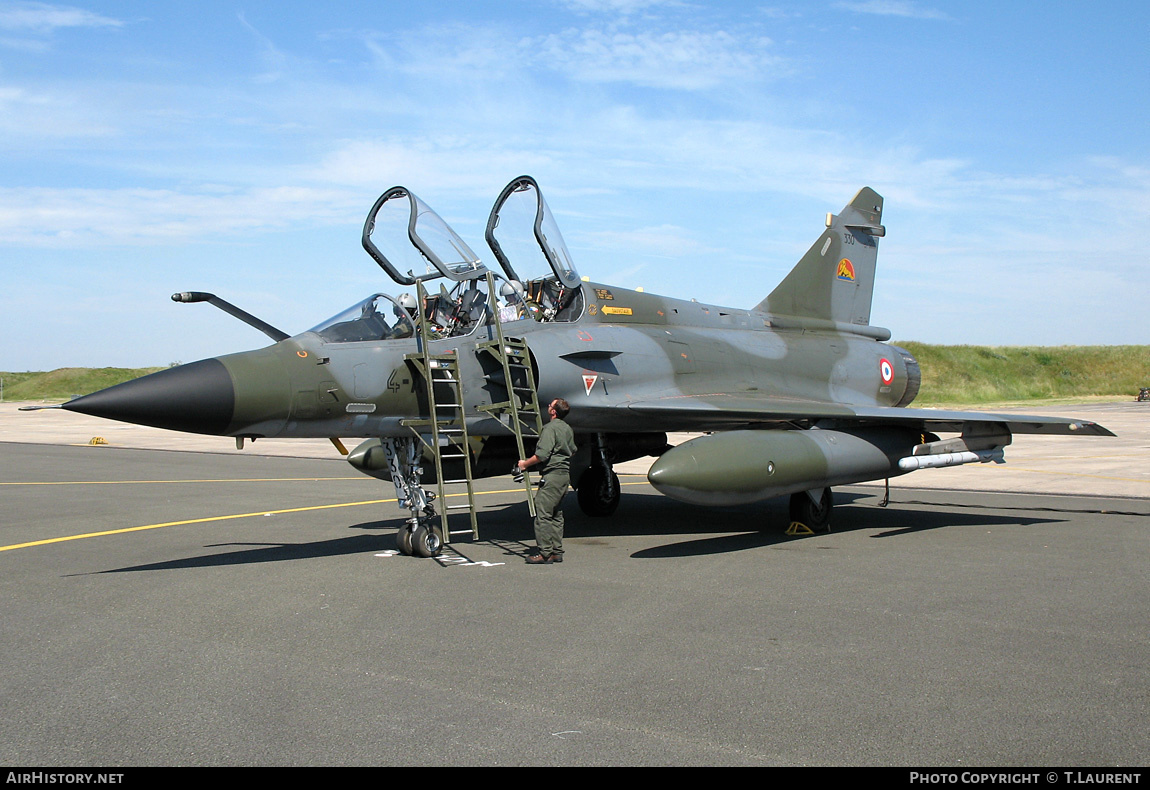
[719, 411]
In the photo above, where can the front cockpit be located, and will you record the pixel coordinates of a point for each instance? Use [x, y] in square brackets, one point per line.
[378, 317]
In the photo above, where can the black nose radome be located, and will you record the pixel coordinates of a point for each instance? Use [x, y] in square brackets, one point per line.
[197, 398]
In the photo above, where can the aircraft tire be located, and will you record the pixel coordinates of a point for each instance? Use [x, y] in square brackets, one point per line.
[806, 512]
[403, 539]
[817, 517]
[427, 541]
[592, 492]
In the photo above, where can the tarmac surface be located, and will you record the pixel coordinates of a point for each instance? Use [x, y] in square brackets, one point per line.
[215, 607]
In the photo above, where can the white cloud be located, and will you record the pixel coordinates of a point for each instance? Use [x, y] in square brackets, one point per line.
[902, 8]
[35, 115]
[45, 18]
[623, 7]
[451, 53]
[467, 164]
[613, 167]
[682, 60]
[490, 55]
[70, 218]
[663, 241]
[276, 62]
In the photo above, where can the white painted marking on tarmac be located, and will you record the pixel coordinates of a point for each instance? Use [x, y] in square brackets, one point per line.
[463, 562]
[453, 560]
[567, 733]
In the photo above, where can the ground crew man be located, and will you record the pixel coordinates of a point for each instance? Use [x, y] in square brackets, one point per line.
[554, 449]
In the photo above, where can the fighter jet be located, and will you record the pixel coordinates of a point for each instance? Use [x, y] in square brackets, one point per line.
[791, 397]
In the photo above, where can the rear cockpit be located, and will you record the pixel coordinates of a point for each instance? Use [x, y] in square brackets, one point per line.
[523, 234]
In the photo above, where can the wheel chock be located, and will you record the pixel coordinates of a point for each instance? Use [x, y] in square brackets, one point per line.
[799, 528]
[97, 440]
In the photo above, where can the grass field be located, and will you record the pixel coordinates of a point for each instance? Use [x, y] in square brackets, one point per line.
[951, 375]
[997, 375]
[64, 383]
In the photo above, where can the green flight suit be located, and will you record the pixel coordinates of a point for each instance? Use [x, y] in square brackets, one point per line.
[554, 449]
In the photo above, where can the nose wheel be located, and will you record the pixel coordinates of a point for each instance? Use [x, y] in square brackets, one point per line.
[424, 539]
[403, 539]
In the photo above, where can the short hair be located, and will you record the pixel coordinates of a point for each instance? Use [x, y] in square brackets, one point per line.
[562, 408]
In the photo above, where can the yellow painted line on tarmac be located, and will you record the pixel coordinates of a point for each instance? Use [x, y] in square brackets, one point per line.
[86, 535]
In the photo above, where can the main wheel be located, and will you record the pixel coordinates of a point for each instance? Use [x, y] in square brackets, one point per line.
[427, 541]
[815, 516]
[594, 489]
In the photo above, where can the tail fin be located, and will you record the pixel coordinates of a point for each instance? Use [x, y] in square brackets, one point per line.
[834, 281]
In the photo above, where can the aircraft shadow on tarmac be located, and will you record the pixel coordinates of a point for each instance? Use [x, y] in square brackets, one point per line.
[272, 552]
[850, 515]
[509, 527]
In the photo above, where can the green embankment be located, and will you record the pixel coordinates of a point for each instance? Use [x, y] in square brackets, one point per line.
[981, 375]
[63, 383]
[951, 375]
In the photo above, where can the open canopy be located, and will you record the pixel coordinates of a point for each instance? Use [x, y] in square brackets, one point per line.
[411, 242]
[521, 216]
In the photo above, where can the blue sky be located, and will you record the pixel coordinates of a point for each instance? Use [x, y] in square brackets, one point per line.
[691, 148]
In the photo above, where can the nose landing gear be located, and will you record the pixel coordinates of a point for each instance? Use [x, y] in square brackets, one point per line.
[419, 536]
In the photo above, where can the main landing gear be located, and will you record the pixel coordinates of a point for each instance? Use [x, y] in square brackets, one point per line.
[598, 488]
[813, 508]
[598, 492]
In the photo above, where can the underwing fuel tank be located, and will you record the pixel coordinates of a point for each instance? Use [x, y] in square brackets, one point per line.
[740, 467]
